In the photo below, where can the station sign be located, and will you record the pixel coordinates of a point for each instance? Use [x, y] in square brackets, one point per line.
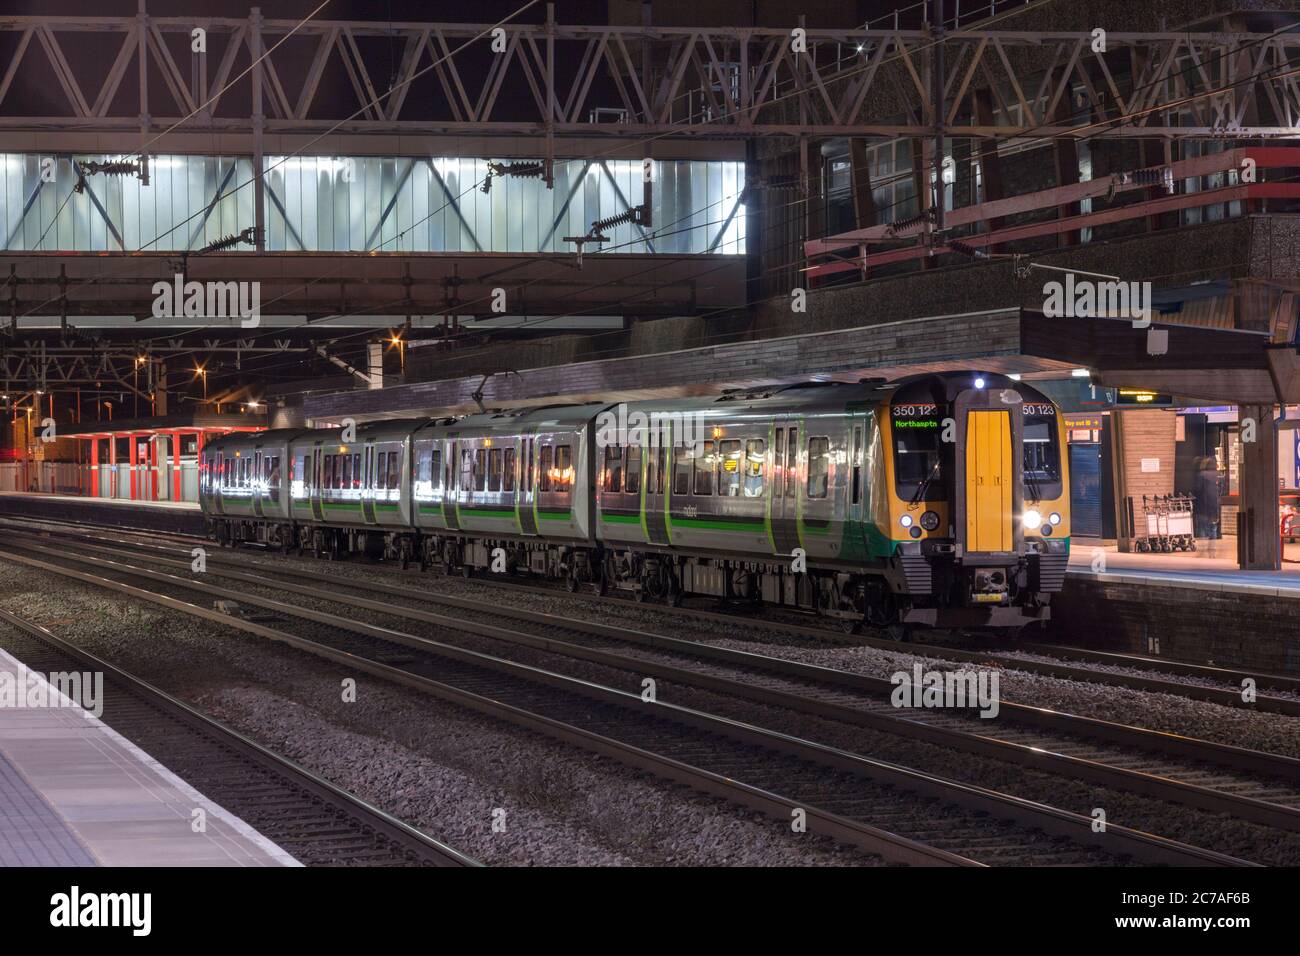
[1141, 398]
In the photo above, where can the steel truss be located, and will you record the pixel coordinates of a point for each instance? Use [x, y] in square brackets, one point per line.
[566, 80]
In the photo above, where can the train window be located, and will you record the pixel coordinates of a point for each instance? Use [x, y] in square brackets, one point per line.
[494, 469]
[508, 475]
[632, 482]
[702, 483]
[563, 468]
[466, 468]
[917, 460]
[729, 468]
[857, 464]
[394, 470]
[660, 457]
[791, 463]
[435, 469]
[546, 457]
[653, 466]
[479, 469]
[755, 458]
[381, 471]
[527, 476]
[273, 477]
[347, 472]
[613, 468]
[681, 472]
[356, 470]
[819, 465]
[1042, 457]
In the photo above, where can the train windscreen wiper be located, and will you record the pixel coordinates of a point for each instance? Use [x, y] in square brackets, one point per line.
[924, 484]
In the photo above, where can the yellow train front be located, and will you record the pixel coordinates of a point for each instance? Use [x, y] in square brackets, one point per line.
[979, 518]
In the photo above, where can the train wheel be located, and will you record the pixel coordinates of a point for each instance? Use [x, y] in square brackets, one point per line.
[851, 627]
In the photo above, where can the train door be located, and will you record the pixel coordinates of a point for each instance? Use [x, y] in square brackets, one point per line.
[989, 479]
[255, 486]
[658, 477]
[785, 486]
[317, 489]
[451, 467]
[525, 486]
[368, 484]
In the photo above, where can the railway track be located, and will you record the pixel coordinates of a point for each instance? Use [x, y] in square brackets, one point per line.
[1260, 787]
[835, 787]
[1206, 682]
[316, 822]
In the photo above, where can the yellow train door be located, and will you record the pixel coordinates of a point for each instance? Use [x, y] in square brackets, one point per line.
[988, 482]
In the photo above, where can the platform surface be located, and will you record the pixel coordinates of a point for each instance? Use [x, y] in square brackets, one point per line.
[89, 500]
[1212, 570]
[74, 792]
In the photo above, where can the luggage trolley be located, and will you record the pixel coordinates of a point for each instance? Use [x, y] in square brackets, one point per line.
[1165, 524]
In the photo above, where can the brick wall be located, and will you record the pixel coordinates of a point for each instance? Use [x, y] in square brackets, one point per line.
[1229, 628]
[1148, 434]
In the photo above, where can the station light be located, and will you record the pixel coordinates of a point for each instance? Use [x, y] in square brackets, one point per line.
[1081, 373]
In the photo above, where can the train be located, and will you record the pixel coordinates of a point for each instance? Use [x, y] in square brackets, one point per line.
[938, 500]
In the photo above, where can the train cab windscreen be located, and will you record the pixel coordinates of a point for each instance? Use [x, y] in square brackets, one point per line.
[916, 427]
[1042, 452]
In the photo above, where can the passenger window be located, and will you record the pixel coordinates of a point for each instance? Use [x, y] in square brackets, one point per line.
[755, 459]
[819, 463]
[729, 468]
[681, 472]
[466, 469]
[356, 470]
[632, 481]
[528, 466]
[435, 469]
[546, 458]
[380, 481]
[394, 474]
[347, 471]
[703, 468]
[792, 463]
[613, 468]
[508, 476]
[494, 469]
[563, 468]
[480, 471]
[273, 478]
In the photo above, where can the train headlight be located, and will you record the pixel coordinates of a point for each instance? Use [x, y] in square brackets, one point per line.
[905, 521]
[1054, 517]
[930, 520]
[1032, 519]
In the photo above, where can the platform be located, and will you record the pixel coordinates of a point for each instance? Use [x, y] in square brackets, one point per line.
[74, 792]
[1207, 571]
[177, 517]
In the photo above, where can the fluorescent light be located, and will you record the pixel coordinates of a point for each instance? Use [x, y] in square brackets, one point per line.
[1081, 373]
